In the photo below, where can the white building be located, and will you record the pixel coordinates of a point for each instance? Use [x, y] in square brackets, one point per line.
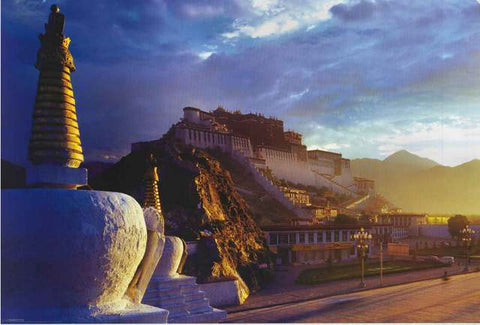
[312, 244]
[199, 129]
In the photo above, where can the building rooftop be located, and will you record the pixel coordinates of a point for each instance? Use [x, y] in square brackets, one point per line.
[324, 151]
[189, 108]
[312, 207]
[406, 215]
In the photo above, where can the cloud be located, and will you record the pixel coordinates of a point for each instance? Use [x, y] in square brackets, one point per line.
[203, 9]
[204, 54]
[359, 11]
[360, 75]
[274, 17]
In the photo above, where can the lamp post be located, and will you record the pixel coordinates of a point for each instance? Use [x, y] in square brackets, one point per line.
[361, 238]
[466, 234]
[381, 261]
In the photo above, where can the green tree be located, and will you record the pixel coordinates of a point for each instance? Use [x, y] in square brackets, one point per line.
[456, 224]
[343, 219]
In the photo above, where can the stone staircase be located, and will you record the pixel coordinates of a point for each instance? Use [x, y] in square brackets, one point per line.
[183, 299]
[269, 186]
[330, 183]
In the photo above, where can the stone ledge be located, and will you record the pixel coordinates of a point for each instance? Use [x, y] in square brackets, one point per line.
[224, 293]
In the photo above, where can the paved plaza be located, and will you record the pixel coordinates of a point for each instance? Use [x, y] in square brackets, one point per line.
[455, 300]
[283, 289]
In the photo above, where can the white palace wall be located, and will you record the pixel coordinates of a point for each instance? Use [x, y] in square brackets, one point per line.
[346, 178]
[208, 139]
[285, 165]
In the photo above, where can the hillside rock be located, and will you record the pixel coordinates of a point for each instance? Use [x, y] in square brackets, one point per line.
[198, 199]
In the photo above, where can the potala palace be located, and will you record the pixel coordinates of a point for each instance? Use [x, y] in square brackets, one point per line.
[268, 147]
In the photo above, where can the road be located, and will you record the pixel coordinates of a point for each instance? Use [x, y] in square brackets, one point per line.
[455, 300]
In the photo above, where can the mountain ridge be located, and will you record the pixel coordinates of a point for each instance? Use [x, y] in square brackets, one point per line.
[405, 157]
[419, 184]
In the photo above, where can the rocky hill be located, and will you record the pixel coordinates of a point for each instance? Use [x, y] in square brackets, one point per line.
[418, 184]
[198, 196]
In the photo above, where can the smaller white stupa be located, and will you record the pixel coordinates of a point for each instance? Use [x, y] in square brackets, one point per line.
[177, 293]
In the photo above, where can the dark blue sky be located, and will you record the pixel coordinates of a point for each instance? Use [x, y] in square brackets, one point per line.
[365, 78]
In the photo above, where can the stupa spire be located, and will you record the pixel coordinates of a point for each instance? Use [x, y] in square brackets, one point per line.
[55, 138]
[152, 197]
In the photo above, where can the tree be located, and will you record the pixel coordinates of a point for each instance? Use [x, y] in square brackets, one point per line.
[343, 219]
[456, 224]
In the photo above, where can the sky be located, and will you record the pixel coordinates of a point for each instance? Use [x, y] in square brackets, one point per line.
[364, 78]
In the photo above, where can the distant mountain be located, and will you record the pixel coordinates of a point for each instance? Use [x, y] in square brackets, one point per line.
[13, 176]
[419, 184]
[405, 158]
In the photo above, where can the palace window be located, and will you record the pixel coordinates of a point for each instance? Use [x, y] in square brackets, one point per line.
[344, 236]
[329, 236]
[273, 239]
[310, 237]
[292, 238]
[283, 238]
[302, 237]
[336, 236]
[319, 236]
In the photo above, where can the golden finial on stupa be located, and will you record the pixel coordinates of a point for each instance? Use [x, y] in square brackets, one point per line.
[152, 197]
[55, 136]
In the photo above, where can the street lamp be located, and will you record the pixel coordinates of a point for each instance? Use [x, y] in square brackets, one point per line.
[466, 234]
[362, 238]
[383, 238]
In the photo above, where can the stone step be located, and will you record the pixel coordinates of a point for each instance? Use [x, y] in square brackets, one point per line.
[165, 286]
[162, 292]
[174, 307]
[198, 305]
[200, 310]
[164, 300]
[194, 296]
[181, 280]
[183, 299]
[177, 311]
[189, 289]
